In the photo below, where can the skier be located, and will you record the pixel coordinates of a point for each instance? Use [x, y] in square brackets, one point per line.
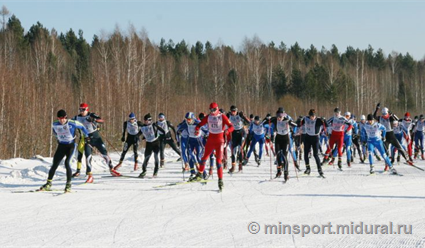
[165, 137]
[371, 133]
[194, 142]
[386, 119]
[151, 134]
[312, 126]
[216, 126]
[238, 120]
[258, 132]
[90, 122]
[64, 130]
[268, 125]
[337, 123]
[399, 131]
[408, 124]
[132, 127]
[282, 123]
[419, 135]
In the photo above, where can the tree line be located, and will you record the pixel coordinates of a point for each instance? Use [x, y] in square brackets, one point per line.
[42, 71]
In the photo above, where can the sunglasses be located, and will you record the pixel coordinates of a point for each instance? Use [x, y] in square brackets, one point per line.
[213, 109]
[150, 119]
[233, 110]
[83, 109]
[62, 118]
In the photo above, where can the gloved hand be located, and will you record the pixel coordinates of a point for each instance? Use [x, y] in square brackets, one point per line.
[196, 132]
[378, 105]
[178, 144]
[122, 139]
[87, 140]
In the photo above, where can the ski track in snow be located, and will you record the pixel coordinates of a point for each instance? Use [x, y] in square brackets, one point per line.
[128, 212]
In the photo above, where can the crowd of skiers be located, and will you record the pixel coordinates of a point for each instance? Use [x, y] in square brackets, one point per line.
[218, 135]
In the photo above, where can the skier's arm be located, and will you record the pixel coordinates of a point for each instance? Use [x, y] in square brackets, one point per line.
[203, 122]
[376, 111]
[124, 127]
[172, 128]
[384, 131]
[363, 135]
[228, 123]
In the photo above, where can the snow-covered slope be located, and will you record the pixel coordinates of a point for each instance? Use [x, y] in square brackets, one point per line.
[124, 212]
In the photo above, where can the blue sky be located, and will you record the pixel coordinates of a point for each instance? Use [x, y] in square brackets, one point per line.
[390, 25]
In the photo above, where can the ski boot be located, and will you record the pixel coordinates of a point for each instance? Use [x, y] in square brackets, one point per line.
[155, 175]
[422, 156]
[90, 178]
[68, 187]
[286, 176]
[398, 159]
[386, 168]
[258, 163]
[47, 186]
[220, 184]
[278, 174]
[244, 162]
[340, 164]
[136, 166]
[118, 166]
[393, 171]
[307, 170]
[179, 159]
[143, 174]
[332, 161]
[211, 171]
[161, 163]
[321, 174]
[410, 162]
[225, 165]
[76, 174]
[192, 176]
[232, 169]
[240, 167]
[352, 159]
[392, 160]
[349, 164]
[197, 177]
[416, 154]
[325, 160]
[372, 171]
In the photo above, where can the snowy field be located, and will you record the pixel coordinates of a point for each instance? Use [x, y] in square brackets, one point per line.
[131, 212]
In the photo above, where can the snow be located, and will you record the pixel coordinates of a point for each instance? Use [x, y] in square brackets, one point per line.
[131, 212]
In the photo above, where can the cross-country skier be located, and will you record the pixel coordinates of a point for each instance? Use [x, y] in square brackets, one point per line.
[312, 126]
[399, 131]
[337, 123]
[282, 123]
[151, 134]
[408, 124]
[64, 130]
[90, 122]
[165, 137]
[132, 127]
[386, 119]
[216, 126]
[238, 120]
[419, 135]
[371, 133]
[258, 132]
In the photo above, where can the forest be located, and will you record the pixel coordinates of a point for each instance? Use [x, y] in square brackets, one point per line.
[42, 71]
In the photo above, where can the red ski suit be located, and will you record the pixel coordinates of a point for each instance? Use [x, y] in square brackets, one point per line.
[216, 125]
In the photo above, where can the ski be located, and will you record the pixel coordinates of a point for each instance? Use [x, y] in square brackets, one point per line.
[419, 168]
[203, 181]
[35, 191]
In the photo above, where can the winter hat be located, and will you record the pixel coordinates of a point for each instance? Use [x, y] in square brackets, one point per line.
[161, 115]
[256, 118]
[280, 110]
[251, 116]
[84, 106]
[201, 116]
[61, 113]
[233, 108]
[312, 112]
[147, 117]
[407, 114]
[336, 110]
[385, 111]
[132, 116]
[362, 117]
[369, 117]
